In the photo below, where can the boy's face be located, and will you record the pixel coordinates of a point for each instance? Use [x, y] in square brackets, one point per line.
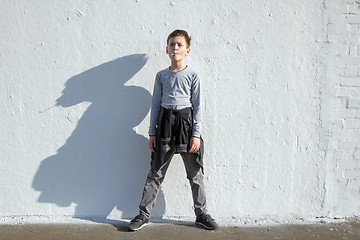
[177, 48]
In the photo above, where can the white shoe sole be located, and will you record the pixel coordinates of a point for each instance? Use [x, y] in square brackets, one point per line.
[204, 226]
[136, 229]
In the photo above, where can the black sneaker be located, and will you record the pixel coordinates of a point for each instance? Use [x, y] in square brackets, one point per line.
[138, 223]
[206, 221]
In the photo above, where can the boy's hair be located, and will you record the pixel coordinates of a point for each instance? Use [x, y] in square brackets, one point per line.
[180, 33]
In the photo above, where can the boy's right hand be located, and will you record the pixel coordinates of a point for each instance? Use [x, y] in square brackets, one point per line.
[152, 143]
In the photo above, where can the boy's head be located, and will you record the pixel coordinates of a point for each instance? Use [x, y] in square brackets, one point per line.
[178, 45]
[182, 33]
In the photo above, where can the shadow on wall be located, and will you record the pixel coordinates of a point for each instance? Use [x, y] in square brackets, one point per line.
[104, 163]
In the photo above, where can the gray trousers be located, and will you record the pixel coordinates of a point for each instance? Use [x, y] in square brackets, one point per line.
[194, 172]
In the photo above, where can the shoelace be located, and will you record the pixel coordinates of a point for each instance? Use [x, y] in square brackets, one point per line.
[207, 218]
[139, 218]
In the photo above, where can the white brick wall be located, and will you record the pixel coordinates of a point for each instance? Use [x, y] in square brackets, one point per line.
[343, 86]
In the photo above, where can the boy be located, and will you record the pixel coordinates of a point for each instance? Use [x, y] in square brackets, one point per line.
[175, 128]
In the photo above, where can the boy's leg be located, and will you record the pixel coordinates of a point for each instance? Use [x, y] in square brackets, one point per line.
[195, 175]
[153, 183]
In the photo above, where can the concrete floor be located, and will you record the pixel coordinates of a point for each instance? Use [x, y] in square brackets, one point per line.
[160, 231]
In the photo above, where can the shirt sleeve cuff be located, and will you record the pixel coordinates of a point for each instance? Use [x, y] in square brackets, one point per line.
[152, 132]
[196, 134]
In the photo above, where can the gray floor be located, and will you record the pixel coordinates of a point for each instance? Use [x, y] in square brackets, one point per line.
[180, 230]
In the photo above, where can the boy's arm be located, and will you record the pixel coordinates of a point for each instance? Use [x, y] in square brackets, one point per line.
[194, 144]
[155, 107]
[195, 100]
[152, 143]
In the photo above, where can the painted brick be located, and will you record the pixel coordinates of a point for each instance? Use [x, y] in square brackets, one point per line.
[350, 39]
[342, 50]
[347, 38]
[351, 82]
[350, 60]
[351, 71]
[352, 18]
[337, 29]
[345, 113]
[357, 113]
[337, 134]
[349, 153]
[353, 103]
[353, 50]
[349, 2]
[338, 124]
[352, 29]
[341, 70]
[333, 38]
[348, 175]
[345, 134]
[337, 18]
[341, 103]
[348, 163]
[352, 8]
[345, 91]
[346, 86]
[336, 7]
[352, 123]
[357, 154]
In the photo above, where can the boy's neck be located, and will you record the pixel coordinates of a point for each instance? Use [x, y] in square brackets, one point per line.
[177, 66]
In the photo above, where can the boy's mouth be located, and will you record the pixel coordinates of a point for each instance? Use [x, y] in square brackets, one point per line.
[173, 54]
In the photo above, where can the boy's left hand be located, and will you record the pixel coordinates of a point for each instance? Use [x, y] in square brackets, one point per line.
[194, 144]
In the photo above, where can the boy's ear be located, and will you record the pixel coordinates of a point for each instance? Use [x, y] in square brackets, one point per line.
[187, 51]
[167, 51]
